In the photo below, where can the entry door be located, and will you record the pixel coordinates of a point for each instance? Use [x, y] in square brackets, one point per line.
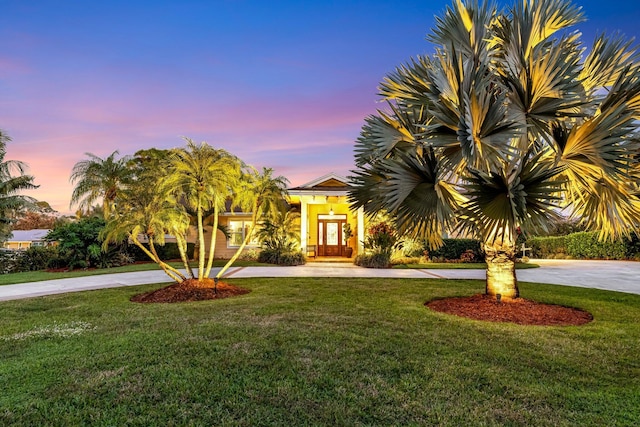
[330, 239]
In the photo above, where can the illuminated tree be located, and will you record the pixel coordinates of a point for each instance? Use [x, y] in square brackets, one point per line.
[503, 127]
[203, 179]
[261, 194]
[99, 179]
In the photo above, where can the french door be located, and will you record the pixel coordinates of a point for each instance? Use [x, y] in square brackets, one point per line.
[330, 237]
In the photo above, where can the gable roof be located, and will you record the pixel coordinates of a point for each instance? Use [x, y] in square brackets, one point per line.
[329, 180]
[329, 183]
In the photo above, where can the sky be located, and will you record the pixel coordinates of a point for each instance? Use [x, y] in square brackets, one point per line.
[280, 84]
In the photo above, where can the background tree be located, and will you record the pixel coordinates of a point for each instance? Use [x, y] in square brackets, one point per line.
[99, 179]
[504, 126]
[13, 180]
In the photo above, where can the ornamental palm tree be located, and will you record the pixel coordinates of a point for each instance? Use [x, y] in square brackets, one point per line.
[153, 212]
[96, 178]
[507, 124]
[203, 178]
[261, 194]
[12, 181]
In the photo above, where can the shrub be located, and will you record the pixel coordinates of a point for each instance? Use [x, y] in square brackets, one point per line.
[250, 255]
[405, 260]
[452, 249]
[274, 256]
[166, 252]
[586, 245]
[34, 258]
[379, 260]
[548, 247]
[8, 261]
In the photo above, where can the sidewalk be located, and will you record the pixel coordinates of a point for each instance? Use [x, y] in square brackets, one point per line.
[622, 276]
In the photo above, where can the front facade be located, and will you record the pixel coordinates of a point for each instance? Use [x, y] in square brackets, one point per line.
[324, 211]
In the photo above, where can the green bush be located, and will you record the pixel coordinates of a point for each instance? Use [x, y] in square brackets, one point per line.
[34, 258]
[166, 252]
[582, 245]
[453, 249]
[585, 245]
[274, 256]
[378, 260]
[547, 247]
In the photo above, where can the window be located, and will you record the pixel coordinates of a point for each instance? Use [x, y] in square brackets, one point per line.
[238, 231]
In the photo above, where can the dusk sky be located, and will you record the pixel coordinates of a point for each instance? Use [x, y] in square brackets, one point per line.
[281, 84]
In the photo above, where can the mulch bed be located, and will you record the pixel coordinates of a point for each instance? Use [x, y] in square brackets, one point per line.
[519, 310]
[190, 290]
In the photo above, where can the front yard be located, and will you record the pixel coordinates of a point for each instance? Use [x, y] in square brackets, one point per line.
[316, 352]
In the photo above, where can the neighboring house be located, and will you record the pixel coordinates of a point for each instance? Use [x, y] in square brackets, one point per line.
[24, 239]
[324, 210]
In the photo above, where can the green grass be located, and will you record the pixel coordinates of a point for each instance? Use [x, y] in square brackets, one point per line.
[316, 352]
[461, 266]
[38, 276]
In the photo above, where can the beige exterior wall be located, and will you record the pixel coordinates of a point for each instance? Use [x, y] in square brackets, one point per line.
[223, 249]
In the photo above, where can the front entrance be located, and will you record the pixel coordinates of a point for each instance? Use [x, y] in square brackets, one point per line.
[330, 239]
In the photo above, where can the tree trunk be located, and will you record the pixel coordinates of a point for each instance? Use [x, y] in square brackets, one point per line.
[212, 244]
[201, 244]
[182, 248]
[501, 270]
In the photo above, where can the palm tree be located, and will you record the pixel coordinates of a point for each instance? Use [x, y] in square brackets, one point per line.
[261, 194]
[96, 178]
[153, 212]
[12, 181]
[505, 127]
[203, 179]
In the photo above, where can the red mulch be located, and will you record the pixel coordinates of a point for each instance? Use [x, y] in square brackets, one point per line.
[190, 290]
[519, 310]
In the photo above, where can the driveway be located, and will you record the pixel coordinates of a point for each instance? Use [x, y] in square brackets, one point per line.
[621, 276]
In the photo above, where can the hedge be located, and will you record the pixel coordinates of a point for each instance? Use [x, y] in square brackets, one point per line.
[582, 245]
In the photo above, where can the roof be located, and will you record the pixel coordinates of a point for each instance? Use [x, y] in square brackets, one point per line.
[28, 235]
[330, 183]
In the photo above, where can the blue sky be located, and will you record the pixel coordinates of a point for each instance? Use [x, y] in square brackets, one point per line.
[282, 84]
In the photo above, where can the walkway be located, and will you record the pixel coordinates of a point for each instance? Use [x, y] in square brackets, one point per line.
[619, 276]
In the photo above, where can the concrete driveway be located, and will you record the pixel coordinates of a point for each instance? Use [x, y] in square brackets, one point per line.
[622, 276]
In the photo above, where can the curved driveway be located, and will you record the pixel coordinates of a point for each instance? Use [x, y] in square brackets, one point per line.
[622, 276]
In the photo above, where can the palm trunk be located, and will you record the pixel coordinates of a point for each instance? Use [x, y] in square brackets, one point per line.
[501, 270]
[235, 256]
[201, 243]
[175, 275]
[182, 248]
[212, 245]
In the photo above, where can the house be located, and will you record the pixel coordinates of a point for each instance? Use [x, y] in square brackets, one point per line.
[24, 239]
[324, 209]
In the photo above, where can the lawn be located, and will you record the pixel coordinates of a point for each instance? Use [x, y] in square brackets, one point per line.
[315, 352]
[38, 276]
[461, 266]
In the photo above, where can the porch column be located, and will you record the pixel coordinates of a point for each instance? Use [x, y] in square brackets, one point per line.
[360, 230]
[304, 224]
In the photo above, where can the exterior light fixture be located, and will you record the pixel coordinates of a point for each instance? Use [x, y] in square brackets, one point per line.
[331, 210]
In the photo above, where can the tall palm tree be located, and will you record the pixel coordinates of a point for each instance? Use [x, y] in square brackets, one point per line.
[99, 179]
[503, 128]
[261, 194]
[203, 178]
[12, 181]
